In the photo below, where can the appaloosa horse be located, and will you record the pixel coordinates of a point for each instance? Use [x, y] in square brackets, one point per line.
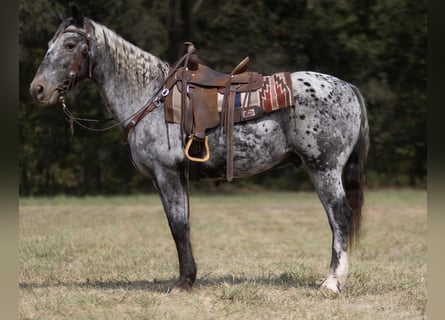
[326, 132]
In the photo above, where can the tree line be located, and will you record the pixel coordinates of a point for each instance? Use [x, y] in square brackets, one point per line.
[378, 45]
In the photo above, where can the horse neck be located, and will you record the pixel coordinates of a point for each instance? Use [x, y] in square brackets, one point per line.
[127, 77]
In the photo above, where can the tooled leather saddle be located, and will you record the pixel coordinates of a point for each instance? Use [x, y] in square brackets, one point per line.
[200, 98]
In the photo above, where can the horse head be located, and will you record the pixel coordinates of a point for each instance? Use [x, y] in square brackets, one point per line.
[67, 61]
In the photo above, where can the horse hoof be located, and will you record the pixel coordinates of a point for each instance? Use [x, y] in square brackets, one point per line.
[178, 291]
[330, 288]
[181, 287]
[329, 293]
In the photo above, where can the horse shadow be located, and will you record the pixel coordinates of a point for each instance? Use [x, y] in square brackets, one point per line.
[166, 285]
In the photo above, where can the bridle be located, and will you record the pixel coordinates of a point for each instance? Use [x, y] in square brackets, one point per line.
[132, 120]
[85, 52]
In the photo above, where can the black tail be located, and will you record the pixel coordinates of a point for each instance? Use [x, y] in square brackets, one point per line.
[354, 173]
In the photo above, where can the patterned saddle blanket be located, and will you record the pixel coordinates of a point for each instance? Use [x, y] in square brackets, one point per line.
[274, 93]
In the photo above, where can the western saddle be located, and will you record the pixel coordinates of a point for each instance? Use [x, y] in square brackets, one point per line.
[196, 87]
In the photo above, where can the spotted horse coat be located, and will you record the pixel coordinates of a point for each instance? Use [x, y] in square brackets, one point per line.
[326, 133]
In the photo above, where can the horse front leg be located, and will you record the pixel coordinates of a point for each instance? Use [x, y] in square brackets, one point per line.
[172, 189]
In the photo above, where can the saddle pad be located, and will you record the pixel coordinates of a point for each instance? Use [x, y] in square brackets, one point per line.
[274, 94]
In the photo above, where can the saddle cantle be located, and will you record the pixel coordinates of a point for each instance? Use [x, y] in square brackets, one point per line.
[200, 98]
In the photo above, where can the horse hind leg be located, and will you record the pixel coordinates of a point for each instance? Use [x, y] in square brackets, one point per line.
[332, 195]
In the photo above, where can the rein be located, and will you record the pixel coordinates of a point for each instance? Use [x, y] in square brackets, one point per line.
[73, 119]
[134, 118]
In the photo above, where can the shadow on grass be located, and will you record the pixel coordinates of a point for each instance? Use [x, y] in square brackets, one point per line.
[284, 280]
[161, 286]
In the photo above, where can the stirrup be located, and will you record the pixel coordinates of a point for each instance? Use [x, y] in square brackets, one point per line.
[189, 144]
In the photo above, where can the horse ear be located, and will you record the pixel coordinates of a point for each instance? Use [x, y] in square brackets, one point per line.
[60, 15]
[76, 14]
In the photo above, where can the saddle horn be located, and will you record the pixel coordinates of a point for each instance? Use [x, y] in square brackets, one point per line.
[193, 61]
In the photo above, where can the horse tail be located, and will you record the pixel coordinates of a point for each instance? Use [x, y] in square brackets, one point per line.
[354, 172]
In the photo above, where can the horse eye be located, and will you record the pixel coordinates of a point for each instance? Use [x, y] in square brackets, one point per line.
[70, 46]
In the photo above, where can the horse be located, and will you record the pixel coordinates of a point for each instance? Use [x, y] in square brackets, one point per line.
[326, 132]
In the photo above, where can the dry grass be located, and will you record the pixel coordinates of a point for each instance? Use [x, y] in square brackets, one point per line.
[259, 257]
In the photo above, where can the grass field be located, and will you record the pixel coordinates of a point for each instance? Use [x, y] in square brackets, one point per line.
[259, 256]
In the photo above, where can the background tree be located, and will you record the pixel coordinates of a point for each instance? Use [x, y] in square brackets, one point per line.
[378, 45]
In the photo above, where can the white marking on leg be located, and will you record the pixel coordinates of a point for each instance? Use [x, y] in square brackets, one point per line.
[342, 269]
[331, 285]
[337, 278]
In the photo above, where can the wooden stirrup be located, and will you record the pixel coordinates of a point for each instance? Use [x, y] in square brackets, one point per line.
[195, 159]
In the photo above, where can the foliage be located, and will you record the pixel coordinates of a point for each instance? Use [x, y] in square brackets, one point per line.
[378, 45]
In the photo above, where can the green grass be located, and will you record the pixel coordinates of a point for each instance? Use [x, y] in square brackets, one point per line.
[259, 255]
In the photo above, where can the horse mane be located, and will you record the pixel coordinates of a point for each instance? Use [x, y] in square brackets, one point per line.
[132, 66]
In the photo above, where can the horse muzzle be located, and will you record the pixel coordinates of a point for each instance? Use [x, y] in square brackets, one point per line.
[43, 95]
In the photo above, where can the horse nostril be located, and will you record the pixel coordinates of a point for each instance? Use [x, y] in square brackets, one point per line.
[37, 92]
[39, 89]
